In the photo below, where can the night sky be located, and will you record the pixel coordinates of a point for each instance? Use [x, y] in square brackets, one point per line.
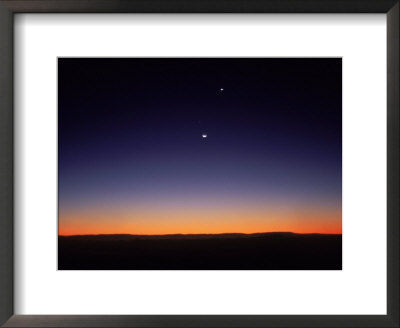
[133, 159]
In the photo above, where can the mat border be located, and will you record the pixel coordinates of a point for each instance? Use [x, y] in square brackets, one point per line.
[10, 7]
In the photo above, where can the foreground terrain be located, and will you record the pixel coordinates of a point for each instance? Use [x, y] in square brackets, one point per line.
[262, 251]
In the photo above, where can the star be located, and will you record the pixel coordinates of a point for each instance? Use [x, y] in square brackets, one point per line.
[204, 136]
[221, 89]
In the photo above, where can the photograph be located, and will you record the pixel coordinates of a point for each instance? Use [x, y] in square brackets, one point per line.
[206, 163]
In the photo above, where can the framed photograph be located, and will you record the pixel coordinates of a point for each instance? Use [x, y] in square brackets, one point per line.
[199, 164]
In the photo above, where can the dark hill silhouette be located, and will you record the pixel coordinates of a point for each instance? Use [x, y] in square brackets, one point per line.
[228, 251]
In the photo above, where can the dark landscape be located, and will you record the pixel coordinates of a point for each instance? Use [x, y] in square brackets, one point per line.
[259, 251]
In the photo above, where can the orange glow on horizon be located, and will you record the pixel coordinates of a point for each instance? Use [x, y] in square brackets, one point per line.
[209, 221]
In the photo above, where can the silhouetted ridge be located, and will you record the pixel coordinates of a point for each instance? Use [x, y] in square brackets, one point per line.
[191, 236]
[230, 251]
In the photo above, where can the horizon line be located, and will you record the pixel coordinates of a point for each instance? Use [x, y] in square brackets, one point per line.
[197, 234]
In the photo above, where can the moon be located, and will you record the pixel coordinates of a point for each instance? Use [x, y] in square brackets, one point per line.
[204, 136]
[221, 89]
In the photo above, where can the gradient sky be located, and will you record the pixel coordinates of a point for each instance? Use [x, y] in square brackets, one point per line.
[132, 158]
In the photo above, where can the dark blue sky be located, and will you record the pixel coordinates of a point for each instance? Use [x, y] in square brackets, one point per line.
[130, 131]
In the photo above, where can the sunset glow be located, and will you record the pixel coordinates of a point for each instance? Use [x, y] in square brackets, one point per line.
[197, 222]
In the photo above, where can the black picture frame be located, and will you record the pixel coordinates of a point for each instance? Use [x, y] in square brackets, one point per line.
[10, 7]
